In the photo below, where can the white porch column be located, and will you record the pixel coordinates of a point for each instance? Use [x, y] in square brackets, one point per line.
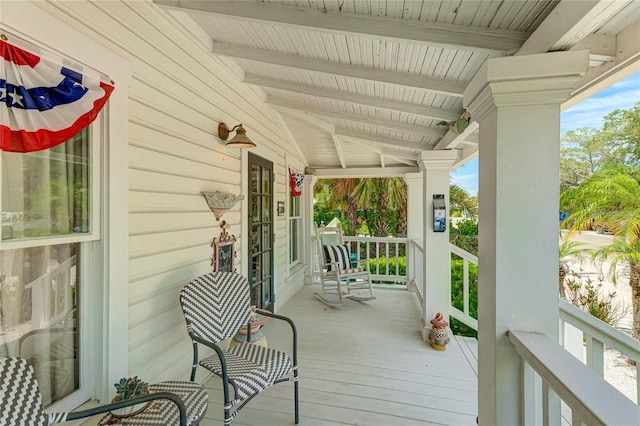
[517, 101]
[309, 237]
[415, 212]
[435, 166]
[415, 220]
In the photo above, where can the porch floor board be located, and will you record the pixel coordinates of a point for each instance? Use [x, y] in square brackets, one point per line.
[362, 364]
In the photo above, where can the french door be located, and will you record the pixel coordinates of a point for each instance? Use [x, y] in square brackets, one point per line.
[261, 232]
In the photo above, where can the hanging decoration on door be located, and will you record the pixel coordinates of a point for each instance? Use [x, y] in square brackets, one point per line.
[44, 99]
[296, 178]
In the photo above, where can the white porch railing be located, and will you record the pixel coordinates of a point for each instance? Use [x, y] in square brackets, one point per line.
[557, 374]
[415, 269]
[591, 399]
[464, 315]
[598, 334]
[390, 249]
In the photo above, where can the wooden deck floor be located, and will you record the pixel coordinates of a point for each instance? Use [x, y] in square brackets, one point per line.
[363, 364]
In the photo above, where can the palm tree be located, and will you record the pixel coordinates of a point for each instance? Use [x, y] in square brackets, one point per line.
[384, 196]
[460, 201]
[612, 195]
[340, 196]
[569, 251]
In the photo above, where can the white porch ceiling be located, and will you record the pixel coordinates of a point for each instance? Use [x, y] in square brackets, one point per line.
[362, 84]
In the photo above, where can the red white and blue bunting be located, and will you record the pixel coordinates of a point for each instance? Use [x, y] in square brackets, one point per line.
[43, 100]
[296, 178]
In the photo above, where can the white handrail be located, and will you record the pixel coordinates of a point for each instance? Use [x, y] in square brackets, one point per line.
[593, 400]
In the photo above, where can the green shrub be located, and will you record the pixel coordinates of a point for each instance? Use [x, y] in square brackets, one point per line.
[457, 295]
[395, 268]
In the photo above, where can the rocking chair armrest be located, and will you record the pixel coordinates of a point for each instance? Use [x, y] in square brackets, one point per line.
[74, 415]
[293, 329]
[332, 264]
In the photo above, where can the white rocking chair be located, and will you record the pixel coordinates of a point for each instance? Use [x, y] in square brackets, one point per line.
[340, 277]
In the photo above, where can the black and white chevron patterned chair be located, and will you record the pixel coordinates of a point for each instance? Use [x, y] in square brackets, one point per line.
[215, 306]
[21, 402]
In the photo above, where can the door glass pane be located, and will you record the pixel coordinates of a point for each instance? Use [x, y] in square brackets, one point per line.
[255, 178]
[255, 293]
[266, 206]
[255, 208]
[266, 178]
[266, 293]
[265, 236]
[38, 314]
[266, 258]
[47, 193]
[255, 240]
[255, 269]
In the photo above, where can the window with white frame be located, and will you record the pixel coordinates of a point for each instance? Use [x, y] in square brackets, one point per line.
[50, 213]
[295, 230]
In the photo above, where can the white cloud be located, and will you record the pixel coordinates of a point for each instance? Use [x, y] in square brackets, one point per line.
[589, 113]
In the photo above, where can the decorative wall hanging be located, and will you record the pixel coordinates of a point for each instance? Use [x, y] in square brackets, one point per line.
[224, 254]
[220, 202]
[44, 100]
[280, 208]
[296, 178]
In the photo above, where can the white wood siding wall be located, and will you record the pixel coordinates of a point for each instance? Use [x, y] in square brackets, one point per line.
[178, 95]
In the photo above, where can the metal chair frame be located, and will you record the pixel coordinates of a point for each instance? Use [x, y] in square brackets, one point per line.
[203, 292]
[24, 403]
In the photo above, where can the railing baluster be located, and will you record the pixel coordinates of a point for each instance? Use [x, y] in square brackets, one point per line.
[638, 382]
[397, 245]
[465, 285]
[595, 355]
[386, 257]
[532, 395]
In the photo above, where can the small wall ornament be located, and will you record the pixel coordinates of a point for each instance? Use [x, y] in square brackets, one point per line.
[438, 334]
[220, 202]
[224, 254]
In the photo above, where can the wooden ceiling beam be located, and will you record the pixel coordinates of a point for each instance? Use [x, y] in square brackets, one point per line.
[336, 143]
[362, 172]
[361, 118]
[568, 23]
[354, 98]
[406, 31]
[366, 137]
[306, 117]
[402, 157]
[447, 87]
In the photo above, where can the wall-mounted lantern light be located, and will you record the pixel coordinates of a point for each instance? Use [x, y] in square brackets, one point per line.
[240, 140]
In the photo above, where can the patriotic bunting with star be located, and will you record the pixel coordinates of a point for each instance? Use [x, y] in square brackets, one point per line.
[43, 102]
[296, 178]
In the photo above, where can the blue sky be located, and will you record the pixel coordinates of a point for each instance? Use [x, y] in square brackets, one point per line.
[588, 113]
